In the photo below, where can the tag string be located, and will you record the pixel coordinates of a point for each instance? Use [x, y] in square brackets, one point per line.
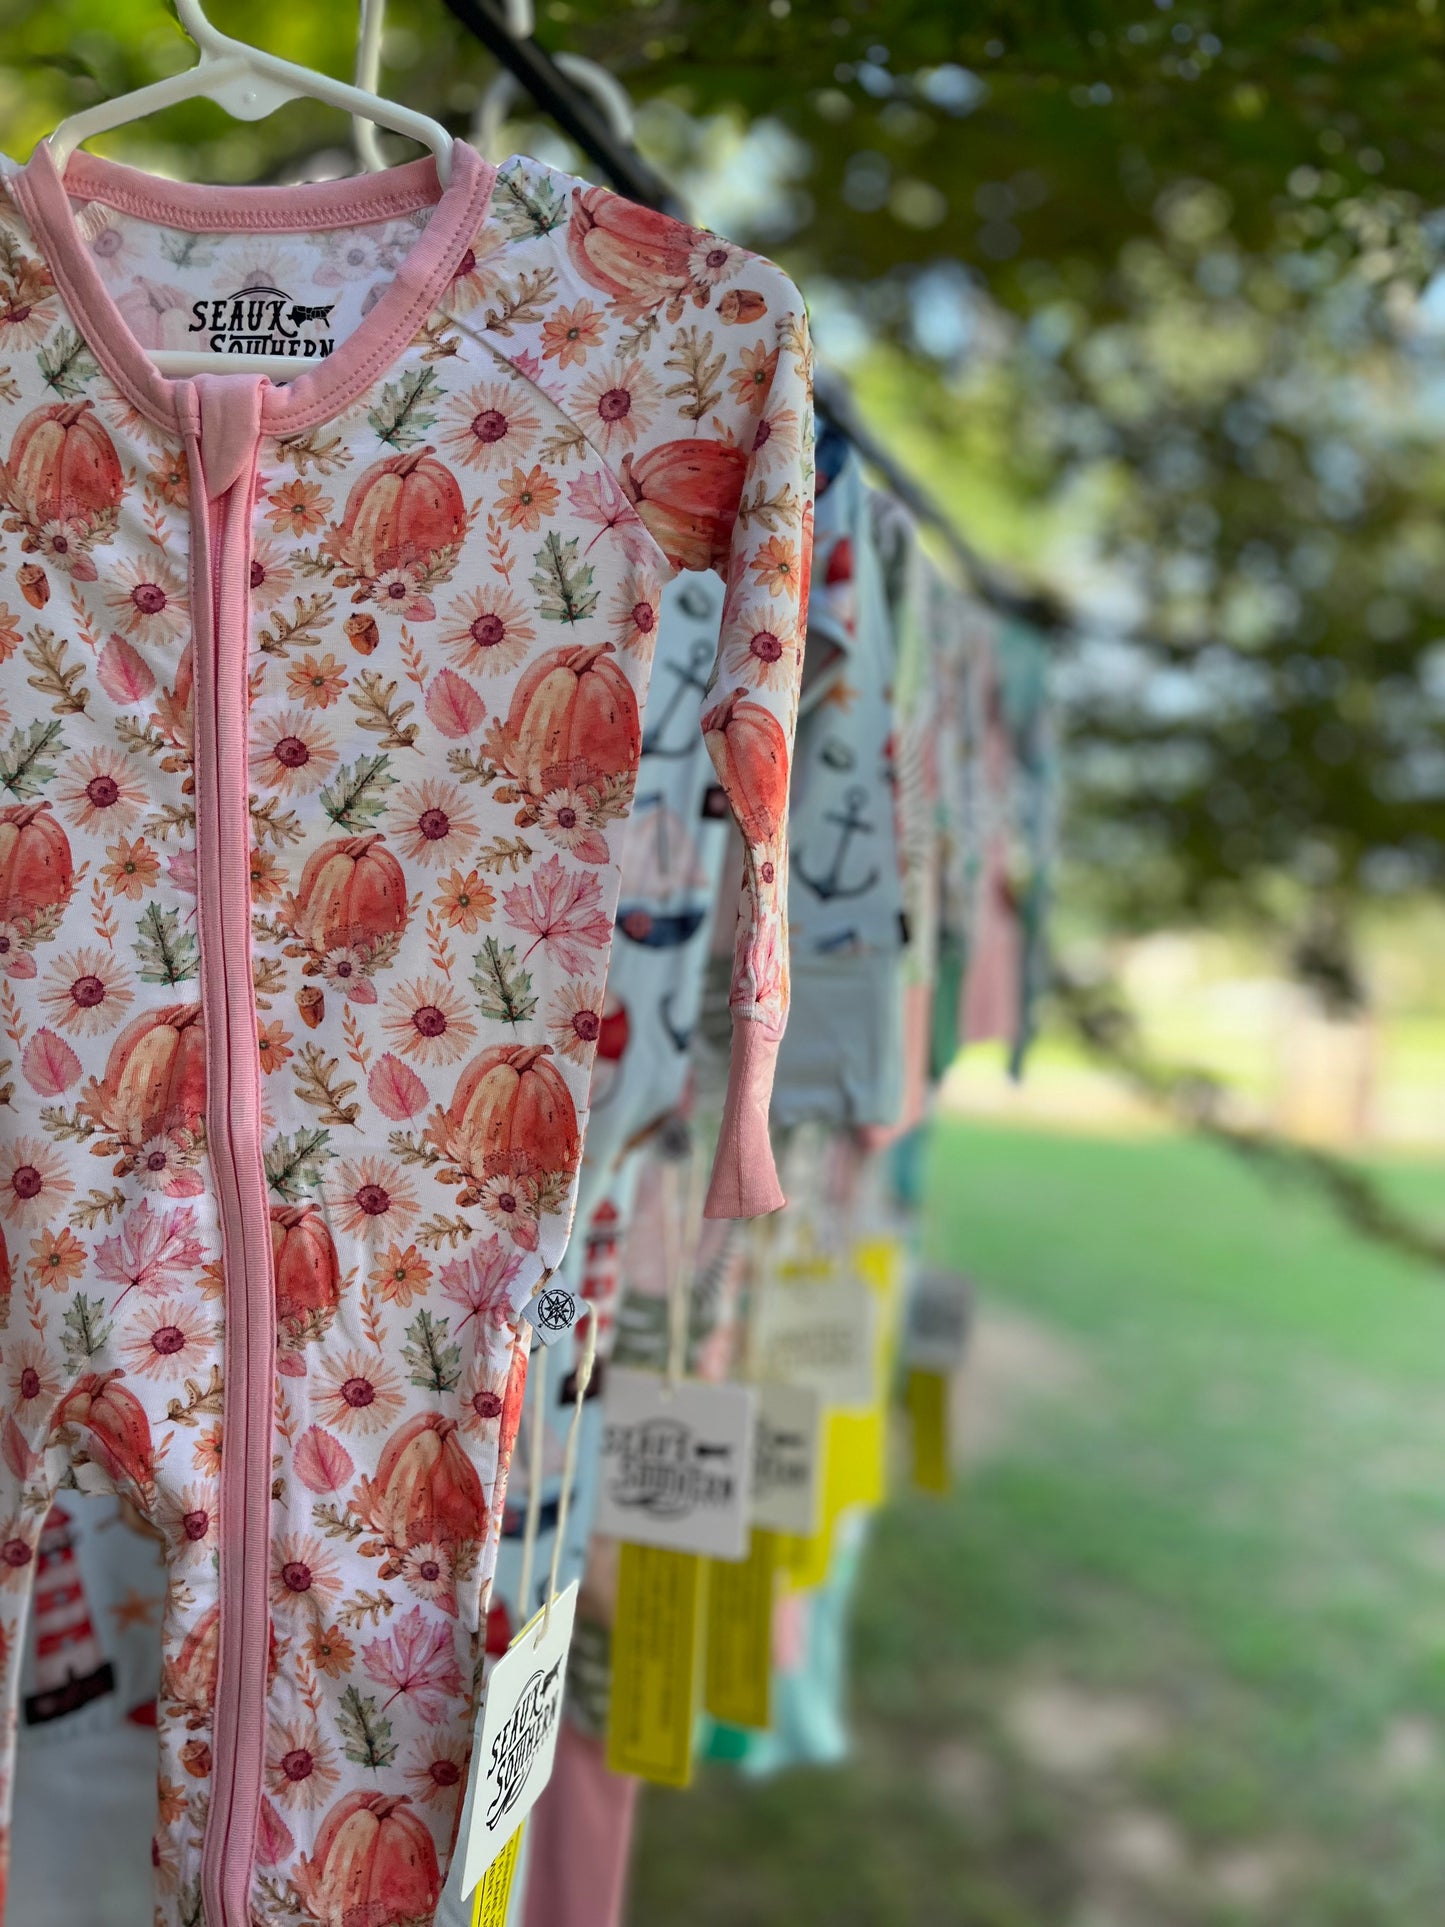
[683, 1221]
[538, 1389]
[569, 1468]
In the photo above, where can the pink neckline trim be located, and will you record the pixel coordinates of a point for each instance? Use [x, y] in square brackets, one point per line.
[315, 397]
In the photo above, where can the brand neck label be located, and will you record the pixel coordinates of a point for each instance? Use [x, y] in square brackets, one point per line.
[264, 321]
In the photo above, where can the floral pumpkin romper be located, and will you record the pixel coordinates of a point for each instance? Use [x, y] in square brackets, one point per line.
[319, 720]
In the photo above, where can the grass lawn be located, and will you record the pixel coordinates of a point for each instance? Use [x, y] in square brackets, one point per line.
[1174, 1652]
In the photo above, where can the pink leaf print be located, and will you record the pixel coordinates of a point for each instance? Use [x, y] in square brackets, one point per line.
[49, 1064]
[418, 1660]
[155, 1252]
[481, 1283]
[322, 1463]
[18, 1455]
[396, 1090]
[125, 675]
[599, 498]
[273, 1837]
[453, 705]
[562, 909]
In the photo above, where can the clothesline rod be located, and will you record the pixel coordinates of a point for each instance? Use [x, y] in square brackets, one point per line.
[632, 175]
[573, 112]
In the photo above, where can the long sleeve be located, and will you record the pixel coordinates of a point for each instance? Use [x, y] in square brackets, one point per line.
[683, 363]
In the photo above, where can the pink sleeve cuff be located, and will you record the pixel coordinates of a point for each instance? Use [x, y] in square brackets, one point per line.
[744, 1177]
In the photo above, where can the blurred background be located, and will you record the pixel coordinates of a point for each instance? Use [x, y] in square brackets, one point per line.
[1151, 296]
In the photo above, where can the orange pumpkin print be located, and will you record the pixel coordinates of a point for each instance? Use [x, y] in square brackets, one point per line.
[36, 867]
[687, 494]
[374, 1865]
[573, 721]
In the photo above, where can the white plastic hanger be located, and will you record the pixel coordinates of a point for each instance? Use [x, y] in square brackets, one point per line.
[609, 93]
[249, 84]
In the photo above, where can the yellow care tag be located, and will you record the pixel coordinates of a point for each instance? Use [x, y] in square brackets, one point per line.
[739, 1668]
[494, 1891]
[928, 1408]
[853, 1475]
[656, 1646]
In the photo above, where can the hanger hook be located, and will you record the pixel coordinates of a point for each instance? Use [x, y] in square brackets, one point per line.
[602, 87]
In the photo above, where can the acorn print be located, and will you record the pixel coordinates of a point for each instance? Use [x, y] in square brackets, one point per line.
[362, 632]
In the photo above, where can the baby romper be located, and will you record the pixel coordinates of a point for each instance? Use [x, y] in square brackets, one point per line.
[321, 712]
[842, 1059]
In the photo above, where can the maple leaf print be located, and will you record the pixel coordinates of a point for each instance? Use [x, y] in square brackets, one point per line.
[599, 498]
[481, 1283]
[562, 909]
[417, 1659]
[86, 1329]
[167, 953]
[153, 1251]
[528, 209]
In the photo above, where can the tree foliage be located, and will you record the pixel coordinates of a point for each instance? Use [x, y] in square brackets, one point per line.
[1143, 288]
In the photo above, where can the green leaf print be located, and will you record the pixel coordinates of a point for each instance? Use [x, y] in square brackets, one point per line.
[357, 794]
[562, 582]
[21, 770]
[365, 1730]
[168, 954]
[527, 208]
[293, 1164]
[503, 986]
[435, 1365]
[400, 418]
[66, 365]
[86, 1330]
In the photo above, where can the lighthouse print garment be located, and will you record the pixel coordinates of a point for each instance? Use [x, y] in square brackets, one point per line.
[320, 727]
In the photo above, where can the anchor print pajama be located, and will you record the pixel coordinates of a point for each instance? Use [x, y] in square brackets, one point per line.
[320, 726]
[842, 1058]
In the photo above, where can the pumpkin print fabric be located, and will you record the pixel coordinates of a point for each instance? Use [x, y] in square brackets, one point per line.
[320, 727]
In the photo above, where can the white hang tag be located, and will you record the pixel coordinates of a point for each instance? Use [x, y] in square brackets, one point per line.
[517, 1740]
[818, 1332]
[676, 1464]
[787, 1459]
[940, 1312]
[554, 1311]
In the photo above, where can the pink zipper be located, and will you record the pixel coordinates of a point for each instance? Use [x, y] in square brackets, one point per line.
[222, 445]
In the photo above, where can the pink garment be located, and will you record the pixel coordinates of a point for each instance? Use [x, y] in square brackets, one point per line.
[321, 712]
[991, 988]
[580, 1839]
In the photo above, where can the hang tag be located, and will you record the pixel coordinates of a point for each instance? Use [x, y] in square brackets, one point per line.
[656, 1642]
[554, 1311]
[940, 1313]
[818, 1331]
[494, 1894]
[854, 1475]
[787, 1459]
[928, 1407]
[676, 1464]
[739, 1669]
[517, 1740]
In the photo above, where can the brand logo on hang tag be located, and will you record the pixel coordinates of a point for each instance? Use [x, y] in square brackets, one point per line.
[676, 1464]
[553, 1312]
[820, 1332]
[787, 1459]
[263, 321]
[517, 1740]
[940, 1311]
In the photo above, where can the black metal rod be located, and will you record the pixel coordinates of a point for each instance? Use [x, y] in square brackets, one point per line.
[631, 175]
